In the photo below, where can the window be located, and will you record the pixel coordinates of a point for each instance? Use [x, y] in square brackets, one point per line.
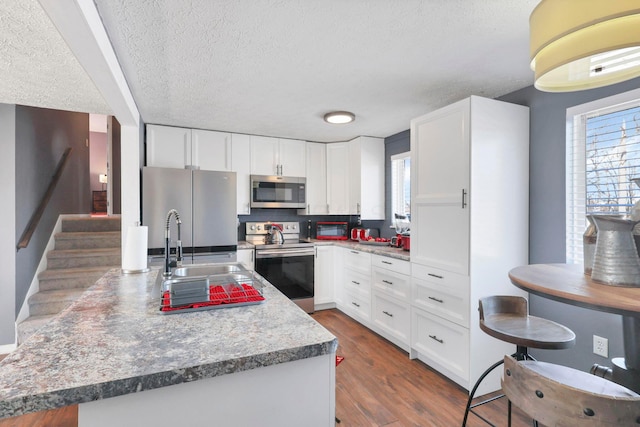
[603, 156]
[400, 185]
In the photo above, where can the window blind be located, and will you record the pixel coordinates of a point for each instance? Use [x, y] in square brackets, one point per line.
[603, 155]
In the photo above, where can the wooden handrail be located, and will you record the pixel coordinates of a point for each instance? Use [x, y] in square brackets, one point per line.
[35, 218]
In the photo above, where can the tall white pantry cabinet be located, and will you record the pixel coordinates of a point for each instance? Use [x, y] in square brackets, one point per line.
[469, 227]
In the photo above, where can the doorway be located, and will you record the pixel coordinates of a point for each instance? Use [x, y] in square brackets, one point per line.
[104, 164]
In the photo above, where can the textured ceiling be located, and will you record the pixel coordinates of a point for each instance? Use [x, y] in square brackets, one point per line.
[36, 66]
[274, 67]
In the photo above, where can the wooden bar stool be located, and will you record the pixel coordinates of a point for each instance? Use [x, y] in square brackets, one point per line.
[559, 395]
[507, 318]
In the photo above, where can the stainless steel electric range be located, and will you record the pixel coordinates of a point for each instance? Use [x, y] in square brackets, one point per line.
[285, 260]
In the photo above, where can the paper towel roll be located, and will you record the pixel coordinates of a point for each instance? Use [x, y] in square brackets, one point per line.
[135, 250]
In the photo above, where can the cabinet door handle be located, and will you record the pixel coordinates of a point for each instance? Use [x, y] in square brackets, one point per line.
[356, 304]
[354, 282]
[435, 338]
[464, 198]
[355, 252]
[387, 282]
[436, 300]
[388, 314]
[387, 262]
[435, 275]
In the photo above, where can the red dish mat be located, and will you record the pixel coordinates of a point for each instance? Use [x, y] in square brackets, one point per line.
[218, 296]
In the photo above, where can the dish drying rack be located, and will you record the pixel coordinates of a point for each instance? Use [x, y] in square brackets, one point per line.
[198, 293]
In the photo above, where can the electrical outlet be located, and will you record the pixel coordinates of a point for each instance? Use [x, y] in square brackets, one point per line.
[600, 346]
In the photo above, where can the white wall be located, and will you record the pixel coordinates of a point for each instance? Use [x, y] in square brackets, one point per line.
[8, 236]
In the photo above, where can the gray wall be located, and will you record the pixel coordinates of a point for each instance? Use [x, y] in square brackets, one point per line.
[41, 137]
[547, 219]
[7, 224]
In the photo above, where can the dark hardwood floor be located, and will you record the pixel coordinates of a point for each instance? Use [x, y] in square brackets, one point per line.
[376, 385]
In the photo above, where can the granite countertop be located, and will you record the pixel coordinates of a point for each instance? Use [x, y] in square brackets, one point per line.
[382, 250]
[114, 341]
[389, 251]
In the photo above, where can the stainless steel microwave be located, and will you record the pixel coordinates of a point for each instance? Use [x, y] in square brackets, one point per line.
[269, 191]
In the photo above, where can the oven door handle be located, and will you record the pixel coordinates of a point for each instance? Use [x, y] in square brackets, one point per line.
[283, 253]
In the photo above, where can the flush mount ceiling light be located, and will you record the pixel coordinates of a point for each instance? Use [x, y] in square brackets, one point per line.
[583, 44]
[339, 117]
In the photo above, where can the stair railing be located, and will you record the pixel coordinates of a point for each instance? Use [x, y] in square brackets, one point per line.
[37, 214]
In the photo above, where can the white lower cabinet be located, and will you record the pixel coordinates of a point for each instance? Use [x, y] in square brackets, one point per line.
[444, 343]
[392, 318]
[442, 293]
[246, 258]
[323, 280]
[357, 306]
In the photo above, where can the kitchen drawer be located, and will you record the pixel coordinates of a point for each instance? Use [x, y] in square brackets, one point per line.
[392, 283]
[440, 341]
[392, 316]
[445, 300]
[357, 260]
[459, 282]
[357, 305]
[356, 282]
[397, 265]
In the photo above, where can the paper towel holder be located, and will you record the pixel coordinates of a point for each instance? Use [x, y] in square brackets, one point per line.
[131, 247]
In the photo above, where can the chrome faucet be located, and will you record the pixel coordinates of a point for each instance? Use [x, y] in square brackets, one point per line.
[167, 241]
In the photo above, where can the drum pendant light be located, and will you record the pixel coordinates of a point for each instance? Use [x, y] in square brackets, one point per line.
[583, 44]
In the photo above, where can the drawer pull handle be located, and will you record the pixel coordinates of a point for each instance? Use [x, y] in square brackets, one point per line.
[387, 282]
[387, 262]
[435, 275]
[436, 300]
[388, 314]
[357, 283]
[354, 252]
[435, 338]
[356, 304]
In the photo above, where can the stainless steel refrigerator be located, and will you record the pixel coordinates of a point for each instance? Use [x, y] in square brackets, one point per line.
[206, 202]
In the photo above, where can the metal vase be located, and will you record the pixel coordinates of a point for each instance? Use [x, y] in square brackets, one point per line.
[616, 260]
[589, 239]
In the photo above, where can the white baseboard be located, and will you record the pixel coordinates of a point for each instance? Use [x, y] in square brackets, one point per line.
[7, 348]
[34, 287]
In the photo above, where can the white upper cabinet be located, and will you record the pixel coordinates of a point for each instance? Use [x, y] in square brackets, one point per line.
[175, 147]
[355, 178]
[168, 147]
[277, 156]
[366, 177]
[316, 180]
[264, 155]
[292, 157]
[211, 150]
[241, 165]
[338, 178]
[440, 188]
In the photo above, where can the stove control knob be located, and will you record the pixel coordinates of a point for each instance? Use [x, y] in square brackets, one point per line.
[253, 227]
[259, 227]
[293, 226]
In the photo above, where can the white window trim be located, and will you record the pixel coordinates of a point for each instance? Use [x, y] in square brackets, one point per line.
[399, 156]
[575, 190]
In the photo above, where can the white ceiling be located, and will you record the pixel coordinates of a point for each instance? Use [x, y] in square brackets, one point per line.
[274, 67]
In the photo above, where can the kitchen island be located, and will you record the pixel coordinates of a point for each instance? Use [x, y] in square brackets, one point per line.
[124, 363]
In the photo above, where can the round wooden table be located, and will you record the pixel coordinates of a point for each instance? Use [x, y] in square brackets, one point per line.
[567, 283]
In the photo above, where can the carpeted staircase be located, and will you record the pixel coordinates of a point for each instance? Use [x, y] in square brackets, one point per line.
[84, 251]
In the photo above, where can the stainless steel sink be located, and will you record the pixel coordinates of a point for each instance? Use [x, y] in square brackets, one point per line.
[207, 269]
